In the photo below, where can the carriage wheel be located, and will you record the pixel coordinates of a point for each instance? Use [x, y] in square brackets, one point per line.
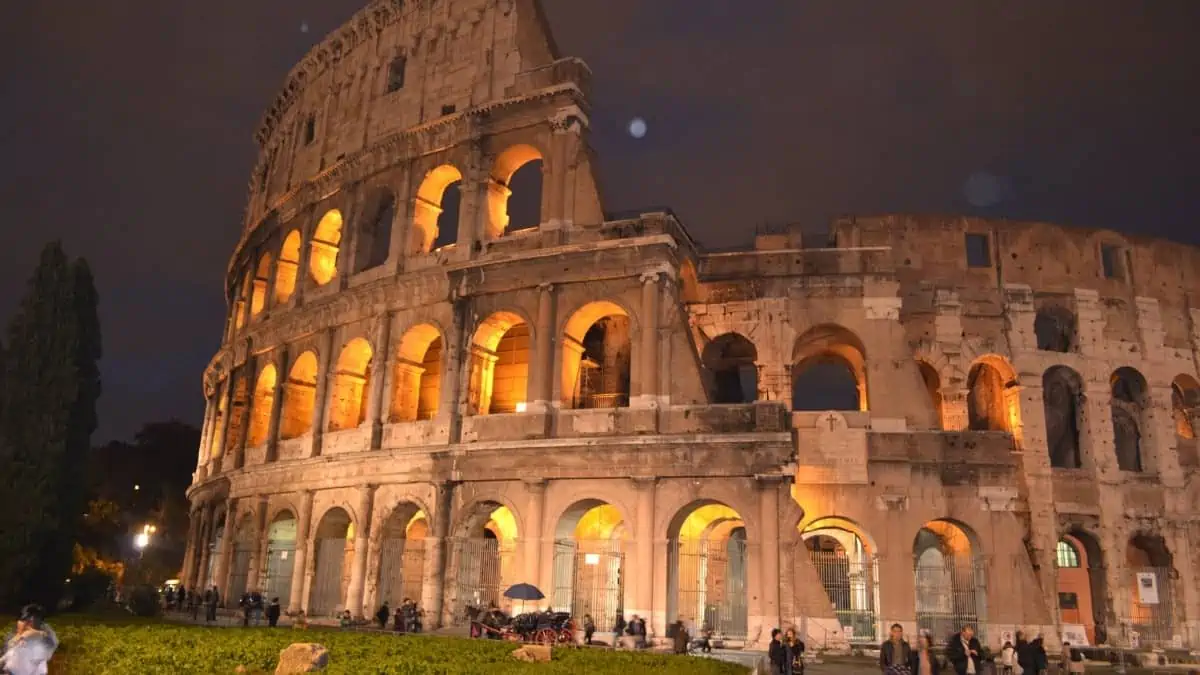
[545, 636]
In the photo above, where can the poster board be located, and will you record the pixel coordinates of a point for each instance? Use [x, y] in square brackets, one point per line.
[1075, 634]
[1147, 584]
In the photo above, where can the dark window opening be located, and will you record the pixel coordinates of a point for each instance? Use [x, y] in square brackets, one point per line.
[824, 383]
[310, 129]
[375, 235]
[1110, 260]
[730, 361]
[1054, 328]
[448, 110]
[979, 252]
[395, 81]
[1068, 601]
[525, 204]
[447, 221]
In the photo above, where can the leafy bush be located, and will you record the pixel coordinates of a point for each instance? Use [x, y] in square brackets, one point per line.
[148, 648]
[144, 601]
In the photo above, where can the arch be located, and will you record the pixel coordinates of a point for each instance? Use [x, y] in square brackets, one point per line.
[730, 360]
[844, 557]
[417, 374]
[596, 357]
[348, 395]
[430, 230]
[281, 555]
[239, 305]
[299, 397]
[244, 543]
[589, 557]
[992, 403]
[333, 540]
[1150, 568]
[829, 370]
[262, 278]
[217, 442]
[1062, 400]
[262, 400]
[1054, 329]
[288, 268]
[498, 189]
[499, 376]
[1081, 583]
[373, 240]
[1128, 407]
[950, 578]
[402, 554]
[706, 568]
[482, 555]
[326, 240]
[933, 390]
[1185, 404]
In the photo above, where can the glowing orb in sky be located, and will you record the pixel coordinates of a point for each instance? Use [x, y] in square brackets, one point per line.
[303, 26]
[637, 127]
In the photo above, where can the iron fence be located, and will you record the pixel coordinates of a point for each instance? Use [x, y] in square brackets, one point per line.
[239, 570]
[589, 578]
[326, 596]
[950, 596]
[1151, 606]
[401, 570]
[281, 556]
[709, 583]
[851, 584]
[476, 575]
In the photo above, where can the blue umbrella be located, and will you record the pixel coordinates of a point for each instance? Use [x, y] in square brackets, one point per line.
[524, 592]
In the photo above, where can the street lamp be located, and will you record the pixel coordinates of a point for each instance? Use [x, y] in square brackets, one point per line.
[142, 539]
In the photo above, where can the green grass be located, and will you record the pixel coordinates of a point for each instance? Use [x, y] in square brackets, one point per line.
[109, 646]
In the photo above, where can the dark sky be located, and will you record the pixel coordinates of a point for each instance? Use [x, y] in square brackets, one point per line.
[126, 127]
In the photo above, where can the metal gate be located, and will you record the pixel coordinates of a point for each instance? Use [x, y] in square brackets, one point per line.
[239, 569]
[950, 596]
[1151, 606]
[589, 578]
[478, 574]
[401, 571]
[710, 585]
[850, 582]
[327, 578]
[281, 555]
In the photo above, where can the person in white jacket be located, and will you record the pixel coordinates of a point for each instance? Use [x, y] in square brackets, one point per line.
[29, 648]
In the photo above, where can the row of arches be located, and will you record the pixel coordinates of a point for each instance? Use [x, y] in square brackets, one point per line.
[513, 202]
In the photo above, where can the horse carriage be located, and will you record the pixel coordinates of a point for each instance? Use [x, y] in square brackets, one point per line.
[546, 628]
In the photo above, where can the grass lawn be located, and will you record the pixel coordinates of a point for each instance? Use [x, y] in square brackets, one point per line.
[100, 646]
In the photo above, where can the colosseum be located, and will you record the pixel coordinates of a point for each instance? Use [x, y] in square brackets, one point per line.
[930, 421]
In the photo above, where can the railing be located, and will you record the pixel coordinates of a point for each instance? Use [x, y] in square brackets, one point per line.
[603, 401]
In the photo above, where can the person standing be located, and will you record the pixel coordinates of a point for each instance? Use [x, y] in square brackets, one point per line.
[589, 629]
[923, 660]
[795, 652]
[273, 612]
[895, 654]
[777, 654]
[963, 652]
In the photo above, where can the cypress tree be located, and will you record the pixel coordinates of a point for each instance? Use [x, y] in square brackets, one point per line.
[50, 385]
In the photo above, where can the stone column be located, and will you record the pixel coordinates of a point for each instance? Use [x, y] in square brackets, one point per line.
[259, 528]
[648, 343]
[206, 527]
[248, 372]
[358, 573]
[205, 431]
[189, 553]
[455, 372]
[303, 521]
[281, 374]
[217, 463]
[223, 563]
[375, 414]
[768, 509]
[321, 401]
[643, 558]
[433, 589]
[535, 488]
[542, 387]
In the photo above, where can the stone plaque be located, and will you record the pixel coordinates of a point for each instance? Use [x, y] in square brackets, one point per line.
[832, 453]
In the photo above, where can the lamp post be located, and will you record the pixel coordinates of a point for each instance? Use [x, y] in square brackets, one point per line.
[142, 539]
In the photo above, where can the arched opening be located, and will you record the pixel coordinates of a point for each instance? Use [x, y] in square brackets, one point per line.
[260, 406]
[500, 188]
[706, 569]
[483, 561]
[1054, 328]
[1150, 588]
[846, 563]
[730, 361]
[239, 305]
[332, 542]
[216, 544]
[525, 204]
[829, 370]
[239, 563]
[950, 579]
[435, 210]
[348, 395]
[262, 280]
[990, 405]
[499, 377]
[589, 562]
[374, 236]
[596, 355]
[402, 556]
[1185, 404]
[288, 268]
[322, 258]
[1081, 591]
[1128, 417]
[417, 375]
[933, 389]
[1062, 400]
[217, 442]
[299, 397]
[281, 556]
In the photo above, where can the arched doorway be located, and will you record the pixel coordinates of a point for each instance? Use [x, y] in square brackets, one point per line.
[499, 375]
[239, 565]
[950, 576]
[1081, 591]
[416, 375]
[215, 548]
[482, 558]
[596, 357]
[334, 538]
[1150, 588]
[991, 405]
[730, 360]
[281, 555]
[829, 370]
[402, 555]
[706, 569]
[589, 562]
[846, 563]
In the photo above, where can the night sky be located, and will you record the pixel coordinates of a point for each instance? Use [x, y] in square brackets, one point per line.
[126, 131]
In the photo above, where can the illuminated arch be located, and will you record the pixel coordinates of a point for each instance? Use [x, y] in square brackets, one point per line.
[281, 554]
[416, 376]
[1083, 582]
[499, 377]
[596, 357]
[589, 578]
[1185, 405]
[826, 353]
[348, 395]
[239, 306]
[482, 557]
[299, 397]
[1147, 555]
[843, 556]
[707, 562]
[262, 401]
[373, 234]
[288, 268]
[933, 390]
[402, 555]
[333, 541]
[498, 192]
[992, 403]
[950, 578]
[262, 279]
[326, 240]
[428, 207]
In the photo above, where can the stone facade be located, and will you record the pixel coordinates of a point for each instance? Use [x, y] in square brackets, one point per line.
[930, 421]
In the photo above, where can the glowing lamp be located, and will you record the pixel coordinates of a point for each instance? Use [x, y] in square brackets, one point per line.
[521, 406]
[591, 558]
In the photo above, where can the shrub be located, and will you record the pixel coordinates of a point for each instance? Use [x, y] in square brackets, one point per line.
[144, 601]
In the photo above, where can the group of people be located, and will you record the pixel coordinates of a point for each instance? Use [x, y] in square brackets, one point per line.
[786, 652]
[253, 610]
[408, 617]
[27, 649]
[966, 655]
[185, 600]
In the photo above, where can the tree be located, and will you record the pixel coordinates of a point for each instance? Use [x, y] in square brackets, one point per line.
[48, 391]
